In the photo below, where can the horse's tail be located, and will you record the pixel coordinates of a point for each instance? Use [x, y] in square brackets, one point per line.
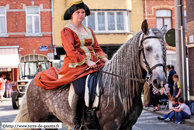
[23, 109]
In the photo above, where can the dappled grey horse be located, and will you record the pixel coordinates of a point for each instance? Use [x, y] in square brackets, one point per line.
[121, 103]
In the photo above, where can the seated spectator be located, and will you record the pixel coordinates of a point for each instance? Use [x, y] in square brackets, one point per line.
[183, 112]
[171, 113]
[176, 87]
[158, 95]
[8, 88]
[166, 90]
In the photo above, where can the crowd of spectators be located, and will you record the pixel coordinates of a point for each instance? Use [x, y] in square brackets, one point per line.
[171, 91]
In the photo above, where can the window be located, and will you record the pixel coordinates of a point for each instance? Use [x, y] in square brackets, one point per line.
[108, 22]
[3, 25]
[110, 50]
[185, 20]
[33, 20]
[163, 17]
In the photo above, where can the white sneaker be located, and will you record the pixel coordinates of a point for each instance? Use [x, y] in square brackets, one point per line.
[167, 119]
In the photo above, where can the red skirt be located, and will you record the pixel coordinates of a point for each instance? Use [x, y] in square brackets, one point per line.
[48, 79]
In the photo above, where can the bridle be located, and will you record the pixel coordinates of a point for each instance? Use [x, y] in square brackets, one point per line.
[141, 49]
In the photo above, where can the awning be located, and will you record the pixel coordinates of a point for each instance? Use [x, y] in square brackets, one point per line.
[9, 57]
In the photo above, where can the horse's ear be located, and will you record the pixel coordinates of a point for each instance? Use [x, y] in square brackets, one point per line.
[163, 29]
[144, 27]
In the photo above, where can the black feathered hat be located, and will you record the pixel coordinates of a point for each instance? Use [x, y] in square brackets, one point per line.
[73, 7]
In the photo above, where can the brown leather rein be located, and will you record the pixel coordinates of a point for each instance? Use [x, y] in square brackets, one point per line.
[135, 79]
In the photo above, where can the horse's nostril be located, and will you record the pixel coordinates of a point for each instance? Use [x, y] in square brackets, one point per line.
[155, 82]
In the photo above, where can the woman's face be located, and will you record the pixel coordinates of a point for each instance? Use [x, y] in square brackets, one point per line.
[79, 15]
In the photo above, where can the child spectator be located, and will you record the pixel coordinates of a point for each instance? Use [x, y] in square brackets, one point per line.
[8, 88]
[176, 87]
[183, 111]
[169, 115]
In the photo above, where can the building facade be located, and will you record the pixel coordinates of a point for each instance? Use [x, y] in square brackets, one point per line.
[159, 13]
[25, 28]
[190, 46]
[113, 22]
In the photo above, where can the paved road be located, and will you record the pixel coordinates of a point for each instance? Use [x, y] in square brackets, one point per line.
[149, 121]
[8, 114]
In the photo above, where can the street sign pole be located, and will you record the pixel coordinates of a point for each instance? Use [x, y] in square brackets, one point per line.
[180, 47]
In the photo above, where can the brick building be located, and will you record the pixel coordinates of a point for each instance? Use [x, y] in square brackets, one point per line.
[25, 28]
[160, 13]
[190, 34]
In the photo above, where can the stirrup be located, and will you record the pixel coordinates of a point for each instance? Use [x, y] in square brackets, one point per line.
[83, 126]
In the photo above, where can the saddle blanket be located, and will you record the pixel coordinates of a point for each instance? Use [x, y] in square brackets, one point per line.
[87, 96]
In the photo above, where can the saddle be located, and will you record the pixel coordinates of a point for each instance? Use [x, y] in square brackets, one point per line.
[93, 92]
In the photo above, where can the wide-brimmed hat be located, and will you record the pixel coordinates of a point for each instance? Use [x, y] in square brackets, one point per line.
[73, 7]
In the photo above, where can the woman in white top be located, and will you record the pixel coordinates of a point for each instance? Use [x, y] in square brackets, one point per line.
[183, 112]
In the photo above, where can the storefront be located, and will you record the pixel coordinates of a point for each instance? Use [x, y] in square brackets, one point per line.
[9, 60]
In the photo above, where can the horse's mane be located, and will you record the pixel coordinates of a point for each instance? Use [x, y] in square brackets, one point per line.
[126, 62]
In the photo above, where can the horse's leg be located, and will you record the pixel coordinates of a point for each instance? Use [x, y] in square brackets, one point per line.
[133, 116]
[52, 118]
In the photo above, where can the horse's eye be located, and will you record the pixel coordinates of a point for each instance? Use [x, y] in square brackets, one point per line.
[148, 48]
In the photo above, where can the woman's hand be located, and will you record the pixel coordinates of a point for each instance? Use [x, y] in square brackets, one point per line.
[104, 59]
[92, 64]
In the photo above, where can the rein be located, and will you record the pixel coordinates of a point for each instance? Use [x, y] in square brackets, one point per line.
[135, 79]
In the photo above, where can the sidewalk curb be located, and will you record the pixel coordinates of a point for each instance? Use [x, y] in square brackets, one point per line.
[162, 112]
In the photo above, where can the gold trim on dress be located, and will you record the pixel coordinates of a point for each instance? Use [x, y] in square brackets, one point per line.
[102, 56]
[73, 65]
[90, 33]
[82, 46]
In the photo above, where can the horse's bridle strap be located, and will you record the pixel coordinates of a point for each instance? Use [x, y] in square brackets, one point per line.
[148, 38]
[156, 66]
[141, 48]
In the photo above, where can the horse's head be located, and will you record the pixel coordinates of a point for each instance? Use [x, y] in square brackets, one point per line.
[153, 53]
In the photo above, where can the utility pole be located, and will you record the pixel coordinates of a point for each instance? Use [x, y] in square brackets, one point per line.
[180, 47]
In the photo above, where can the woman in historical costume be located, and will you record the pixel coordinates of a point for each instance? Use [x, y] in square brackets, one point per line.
[82, 51]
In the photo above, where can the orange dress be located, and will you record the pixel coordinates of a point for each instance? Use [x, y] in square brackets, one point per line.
[80, 49]
[1, 83]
